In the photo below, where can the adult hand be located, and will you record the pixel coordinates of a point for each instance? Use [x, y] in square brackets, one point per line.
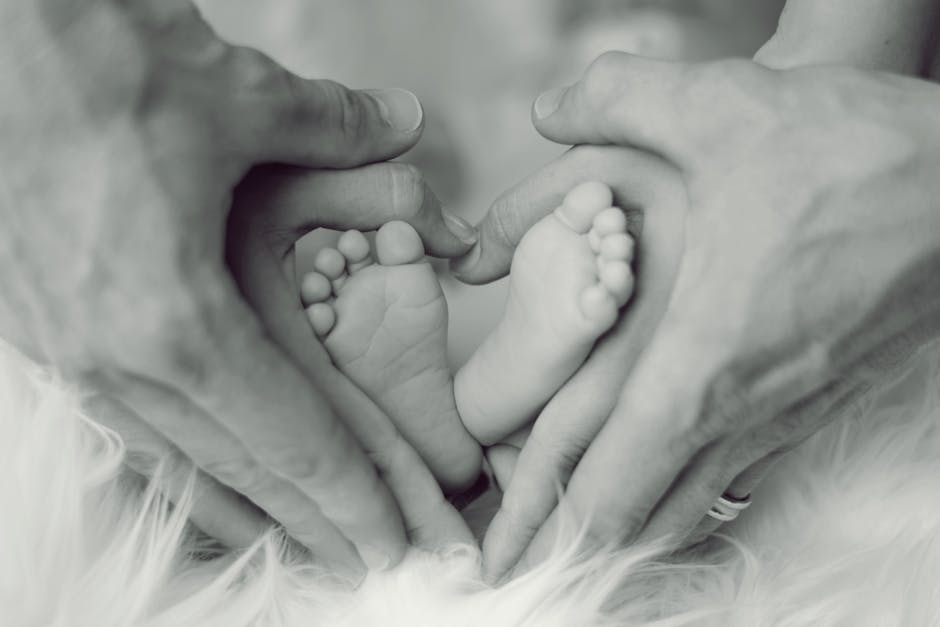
[808, 269]
[126, 127]
[531, 464]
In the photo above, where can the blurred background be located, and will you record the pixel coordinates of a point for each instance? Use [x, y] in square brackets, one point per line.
[477, 65]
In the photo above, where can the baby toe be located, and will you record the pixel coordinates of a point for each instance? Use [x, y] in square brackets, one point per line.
[594, 240]
[617, 247]
[314, 288]
[599, 305]
[617, 278]
[582, 204]
[332, 264]
[355, 248]
[322, 318]
[397, 243]
[610, 220]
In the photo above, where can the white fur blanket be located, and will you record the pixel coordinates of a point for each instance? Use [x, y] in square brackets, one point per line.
[847, 532]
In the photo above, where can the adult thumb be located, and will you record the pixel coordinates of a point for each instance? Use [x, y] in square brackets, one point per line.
[621, 100]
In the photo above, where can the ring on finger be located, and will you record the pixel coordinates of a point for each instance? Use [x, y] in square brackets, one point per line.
[728, 507]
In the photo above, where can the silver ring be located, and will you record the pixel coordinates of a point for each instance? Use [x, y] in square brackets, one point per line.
[728, 507]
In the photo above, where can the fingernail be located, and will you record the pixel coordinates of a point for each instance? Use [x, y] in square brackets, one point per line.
[374, 558]
[461, 264]
[548, 102]
[400, 108]
[460, 228]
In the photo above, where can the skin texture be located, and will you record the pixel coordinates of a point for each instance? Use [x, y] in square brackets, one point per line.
[888, 35]
[129, 129]
[760, 314]
[384, 322]
[561, 288]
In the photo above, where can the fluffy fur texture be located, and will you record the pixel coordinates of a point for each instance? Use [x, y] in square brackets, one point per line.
[847, 532]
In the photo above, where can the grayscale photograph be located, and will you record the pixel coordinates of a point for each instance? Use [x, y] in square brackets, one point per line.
[470, 313]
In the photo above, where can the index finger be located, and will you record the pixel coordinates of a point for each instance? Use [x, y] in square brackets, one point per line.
[297, 200]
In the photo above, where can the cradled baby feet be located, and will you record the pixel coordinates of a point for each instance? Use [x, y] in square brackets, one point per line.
[570, 276]
[384, 325]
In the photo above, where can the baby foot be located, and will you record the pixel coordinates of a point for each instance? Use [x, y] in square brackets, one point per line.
[570, 276]
[385, 326]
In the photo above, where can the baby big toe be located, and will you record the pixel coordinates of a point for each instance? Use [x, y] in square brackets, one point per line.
[397, 243]
[322, 318]
[582, 204]
[355, 248]
[332, 264]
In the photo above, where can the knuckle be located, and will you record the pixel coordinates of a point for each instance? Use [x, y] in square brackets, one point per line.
[506, 222]
[751, 102]
[305, 466]
[699, 398]
[607, 66]
[562, 454]
[610, 527]
[726, 402]
[241, 474]
[261, 87]
[171, 339]
[353, 117]
[601, 84]
[565, 457]
[255, 72]
[143, 459]
[523, 511]
[716, 481]
[407, 187]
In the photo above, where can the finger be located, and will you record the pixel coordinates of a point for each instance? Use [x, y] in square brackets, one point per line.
[430, 521]
[309, 446]
[572, 419]
[559, 437]
[672, 411]
[696, 489]
[318, 123]
[294, 201]
[217, 510]
[221, 454]
[638, 180]
[621, 99]
[743, 486]
[739, 462]
[221, 360]
[610, 494]
[657, 421]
